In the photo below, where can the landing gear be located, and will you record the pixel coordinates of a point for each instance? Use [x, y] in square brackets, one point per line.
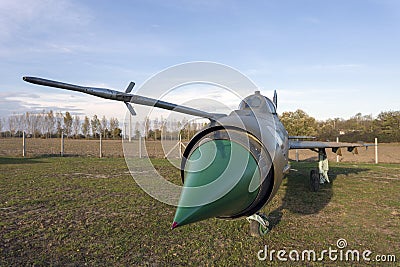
[320, 176]
[258, 224]
[323, 166]
[314, 180]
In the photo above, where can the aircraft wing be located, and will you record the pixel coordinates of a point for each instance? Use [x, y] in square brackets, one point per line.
[313, 145]
[301, 137]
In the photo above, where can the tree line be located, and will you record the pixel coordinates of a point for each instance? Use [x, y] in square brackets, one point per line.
[52, 124]
[162, 129]
[386, 127]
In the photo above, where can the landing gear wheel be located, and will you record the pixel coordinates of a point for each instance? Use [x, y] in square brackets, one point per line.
[258, 229]
[314, 180]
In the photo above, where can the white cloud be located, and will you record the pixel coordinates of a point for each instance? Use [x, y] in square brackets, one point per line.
[26, 26]
[73, 102]
[17, 12]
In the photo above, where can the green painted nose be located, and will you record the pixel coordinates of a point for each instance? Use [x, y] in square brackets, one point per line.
[221, 180]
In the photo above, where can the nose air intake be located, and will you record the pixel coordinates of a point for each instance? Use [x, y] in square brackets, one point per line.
[222, 178]
[217, 174]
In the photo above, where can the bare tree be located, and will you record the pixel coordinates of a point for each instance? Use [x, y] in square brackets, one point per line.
[59, 123]
[20, 124]
[156, 126]
[114, 127]
[76, 125]
[146, 126]
[104, 125]
[163, 128]
[137, 130]
[49, 123]
[27, 123]
[95, 124]
[42, 123]
[36, 121]
[11, 125]
[67, 123]
[86, 126]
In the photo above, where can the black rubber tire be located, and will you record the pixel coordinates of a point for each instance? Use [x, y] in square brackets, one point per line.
[314, 180]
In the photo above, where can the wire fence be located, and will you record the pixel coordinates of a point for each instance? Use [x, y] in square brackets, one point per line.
[34, 147]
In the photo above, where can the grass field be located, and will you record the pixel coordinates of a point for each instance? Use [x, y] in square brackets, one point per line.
[89, 211]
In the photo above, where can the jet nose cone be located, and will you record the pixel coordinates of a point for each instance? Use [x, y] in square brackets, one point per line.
[218, 175]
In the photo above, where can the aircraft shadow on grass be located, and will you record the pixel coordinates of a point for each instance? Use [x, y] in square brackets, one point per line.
[301, 200]
[34, 159]
[11, 160]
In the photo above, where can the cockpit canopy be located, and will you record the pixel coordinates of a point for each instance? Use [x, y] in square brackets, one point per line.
[258, 103]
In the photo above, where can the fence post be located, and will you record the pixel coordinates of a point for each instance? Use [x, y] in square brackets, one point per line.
[140, 146]
[180, 145]
[101, 152]
[23, 145]
[337, 156]
[130, 128]
[62, 143]
[376, 150]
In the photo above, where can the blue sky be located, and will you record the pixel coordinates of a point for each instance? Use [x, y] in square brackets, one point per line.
[329, 58]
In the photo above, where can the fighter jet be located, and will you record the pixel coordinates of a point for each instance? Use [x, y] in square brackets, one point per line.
[234, 166]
